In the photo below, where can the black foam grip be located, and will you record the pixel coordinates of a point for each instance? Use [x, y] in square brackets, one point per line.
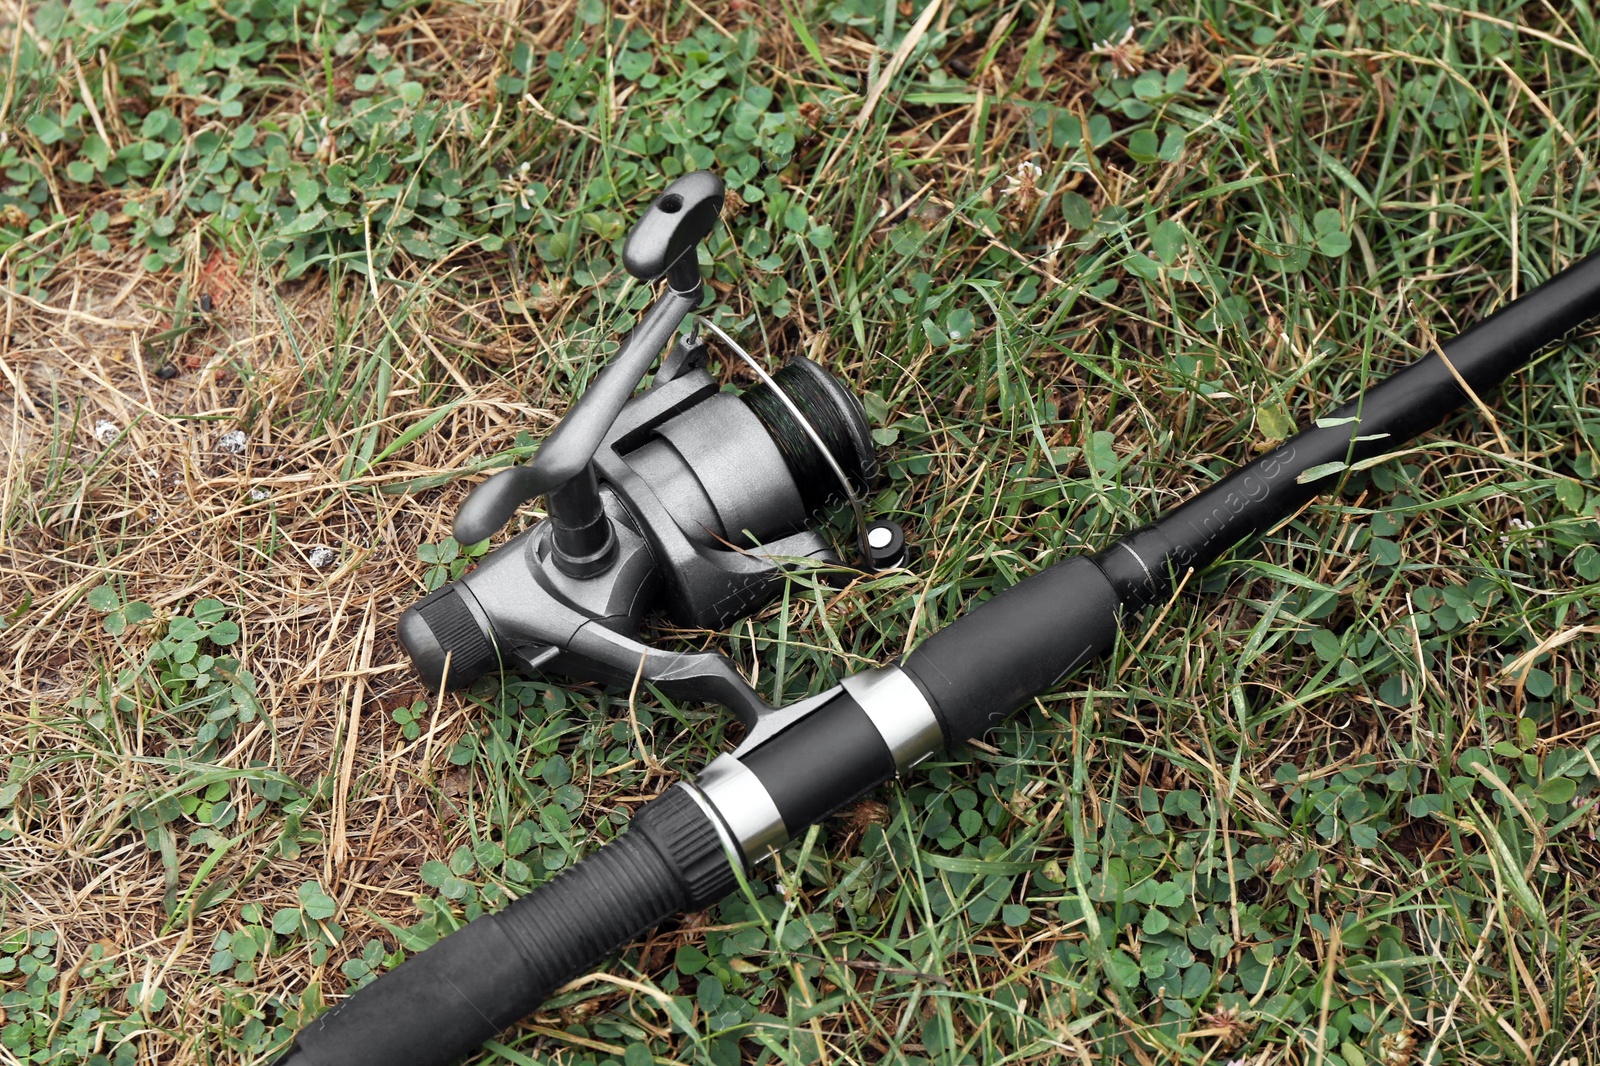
[443, 1002]
[1015, 646]
[827, 759]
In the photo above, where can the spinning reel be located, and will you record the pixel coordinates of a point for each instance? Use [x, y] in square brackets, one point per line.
[683, 499]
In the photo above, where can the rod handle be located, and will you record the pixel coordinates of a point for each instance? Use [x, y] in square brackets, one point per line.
[446, 1000]
[1015, 646]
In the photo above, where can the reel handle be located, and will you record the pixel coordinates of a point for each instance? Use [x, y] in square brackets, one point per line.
[567, 451]
[661, 242]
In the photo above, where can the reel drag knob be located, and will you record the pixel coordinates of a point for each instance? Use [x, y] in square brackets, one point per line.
[447, 643]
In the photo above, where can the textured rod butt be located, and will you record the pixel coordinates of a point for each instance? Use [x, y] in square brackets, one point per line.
[445, 1001]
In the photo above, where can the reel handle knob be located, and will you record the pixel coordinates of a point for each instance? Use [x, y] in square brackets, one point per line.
[681, 217]
[496, 501]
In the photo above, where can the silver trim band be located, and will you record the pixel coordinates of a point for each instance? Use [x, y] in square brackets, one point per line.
[900, 712]
[1124, 546]
[741, 802]
[729, 845]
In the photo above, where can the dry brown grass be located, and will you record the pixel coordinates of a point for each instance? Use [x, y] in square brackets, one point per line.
[180, 514]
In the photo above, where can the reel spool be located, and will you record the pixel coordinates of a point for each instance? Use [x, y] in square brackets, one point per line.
[682, 499]
[740, 471]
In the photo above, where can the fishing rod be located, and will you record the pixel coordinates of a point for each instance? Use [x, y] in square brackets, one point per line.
[801, 763]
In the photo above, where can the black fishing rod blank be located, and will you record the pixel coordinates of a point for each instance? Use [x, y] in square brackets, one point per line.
[1020, 643]
[806, 761]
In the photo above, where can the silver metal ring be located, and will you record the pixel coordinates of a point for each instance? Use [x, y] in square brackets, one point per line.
[734, 851]
[1136, 558]
[900, 712]
[743, 804]
[805, 424]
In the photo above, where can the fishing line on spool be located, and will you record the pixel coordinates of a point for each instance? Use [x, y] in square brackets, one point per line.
[777, 392]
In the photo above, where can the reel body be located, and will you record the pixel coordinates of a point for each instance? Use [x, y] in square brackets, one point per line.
[688, 500]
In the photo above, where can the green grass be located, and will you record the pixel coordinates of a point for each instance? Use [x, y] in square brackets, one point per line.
[1335, 809]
